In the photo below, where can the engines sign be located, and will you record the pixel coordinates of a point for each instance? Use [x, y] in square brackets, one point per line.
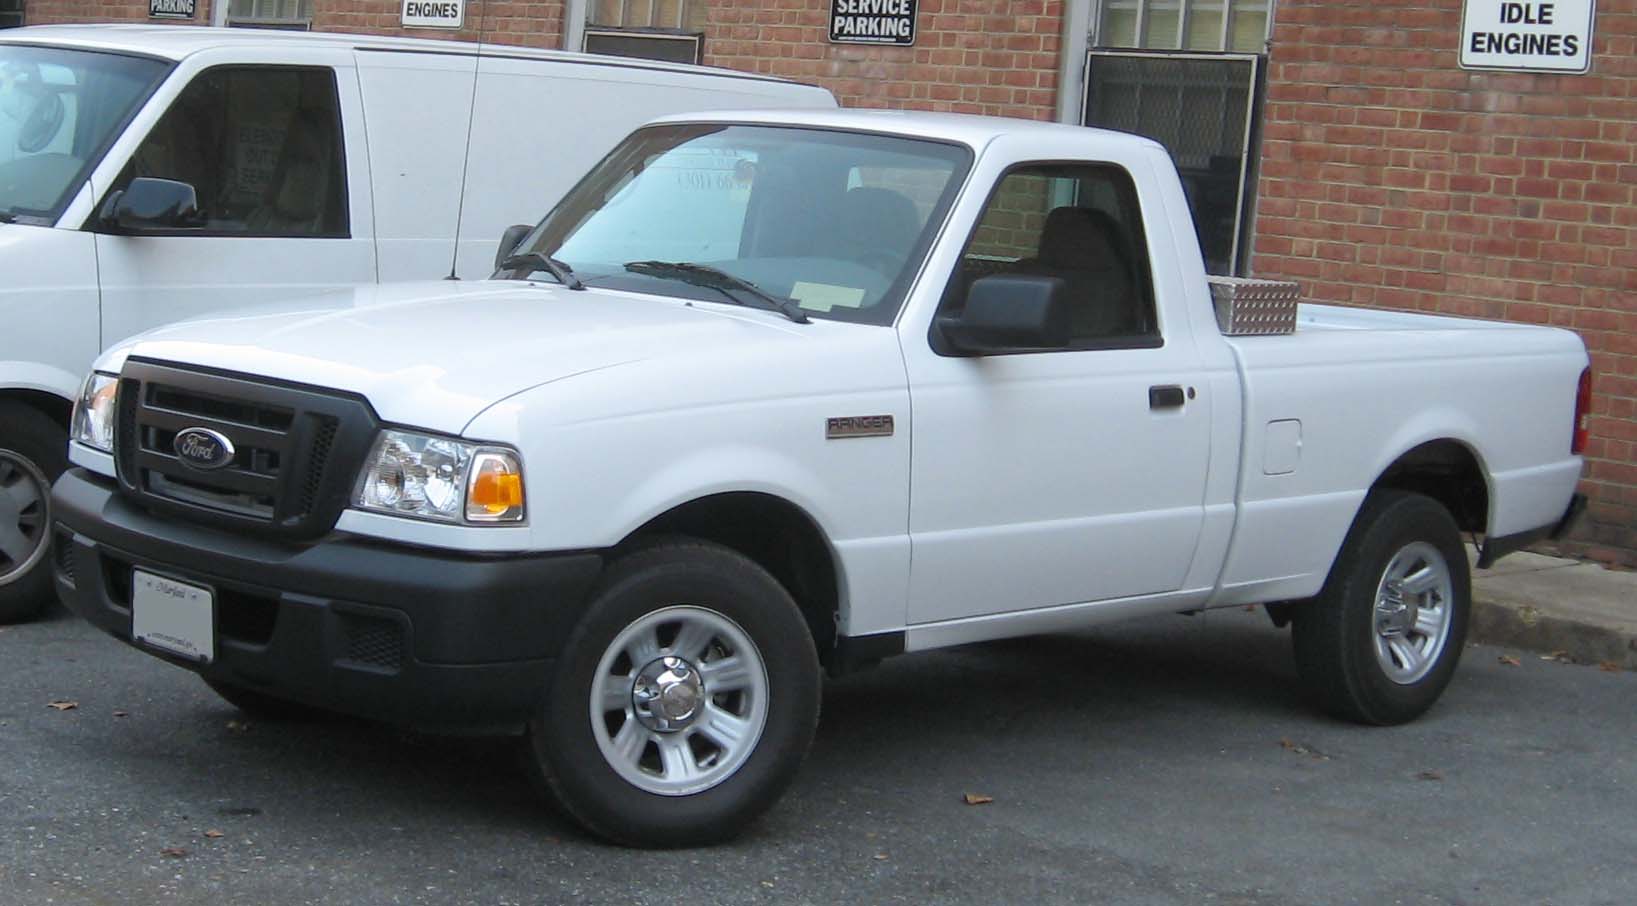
[1551, 36]
[434, 13]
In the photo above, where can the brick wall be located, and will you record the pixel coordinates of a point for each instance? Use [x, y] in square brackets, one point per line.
[518, 22]
[1393, 178]
[54, 12]
[970, 56]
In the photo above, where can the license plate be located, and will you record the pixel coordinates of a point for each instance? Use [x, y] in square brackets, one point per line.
[173, 616]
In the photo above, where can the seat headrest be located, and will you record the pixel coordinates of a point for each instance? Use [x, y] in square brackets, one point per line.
[1079, 239]
[879, 218]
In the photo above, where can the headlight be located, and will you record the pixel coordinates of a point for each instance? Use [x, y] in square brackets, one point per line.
[440, 478]
[94, 412]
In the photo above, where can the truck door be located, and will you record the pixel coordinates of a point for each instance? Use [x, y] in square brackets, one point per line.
[278, 169]
[1061, 477]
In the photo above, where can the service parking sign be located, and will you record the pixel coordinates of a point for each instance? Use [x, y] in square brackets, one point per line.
[872, 22]
[1518, 36]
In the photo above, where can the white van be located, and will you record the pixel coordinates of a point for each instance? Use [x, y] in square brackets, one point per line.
[152, 173]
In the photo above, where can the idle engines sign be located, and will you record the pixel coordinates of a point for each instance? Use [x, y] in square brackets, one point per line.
[171, 9]
[1550, 36]
[872, 22]
[434, 13]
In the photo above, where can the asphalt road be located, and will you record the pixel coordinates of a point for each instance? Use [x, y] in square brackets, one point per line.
[1167, 761]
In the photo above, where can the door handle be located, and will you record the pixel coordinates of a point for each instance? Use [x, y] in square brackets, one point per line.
[1165, 396]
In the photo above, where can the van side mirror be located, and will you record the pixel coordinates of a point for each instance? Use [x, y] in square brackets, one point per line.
[152, 204]
[509, 240]
[1009, 313]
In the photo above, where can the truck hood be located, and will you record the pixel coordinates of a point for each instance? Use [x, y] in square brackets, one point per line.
[434, 355]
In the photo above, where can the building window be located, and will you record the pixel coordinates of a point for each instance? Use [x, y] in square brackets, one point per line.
[1209, 25]
[11, 13]
[672, 30]
[288, 14]
[1188, 73]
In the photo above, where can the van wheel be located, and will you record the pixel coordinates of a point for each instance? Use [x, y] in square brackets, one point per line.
[33, 452]
[683, 702]
[1382, 639]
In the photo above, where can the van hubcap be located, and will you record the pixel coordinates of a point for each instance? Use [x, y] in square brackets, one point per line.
[1412, 612]
[25, 515]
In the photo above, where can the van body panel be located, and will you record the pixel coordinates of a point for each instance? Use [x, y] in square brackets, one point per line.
[48, 302]
[416, 117]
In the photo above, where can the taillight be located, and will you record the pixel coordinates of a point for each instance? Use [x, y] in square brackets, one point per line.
[1582, 413]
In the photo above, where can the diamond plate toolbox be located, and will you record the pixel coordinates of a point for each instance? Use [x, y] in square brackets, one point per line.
[1247, 307]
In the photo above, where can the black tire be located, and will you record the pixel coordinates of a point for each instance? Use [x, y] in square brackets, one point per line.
[261, 706]
[562, 748]
[32, 447]
[1336, 635]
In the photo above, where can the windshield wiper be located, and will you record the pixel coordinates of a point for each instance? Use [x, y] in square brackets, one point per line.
[719, 280]
[538, 261]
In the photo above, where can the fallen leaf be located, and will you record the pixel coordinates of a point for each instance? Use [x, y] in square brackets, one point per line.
[1508, 660]
[214, 834]
[1250, 608]
[237, 726]
[1290, 745]
[1609, 667]
[173, 852]
[122, 714]
[62, 705]
[1429, 775]
[977, 799]
[880, 857]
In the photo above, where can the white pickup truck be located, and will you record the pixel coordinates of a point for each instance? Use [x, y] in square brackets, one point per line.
[773, 393]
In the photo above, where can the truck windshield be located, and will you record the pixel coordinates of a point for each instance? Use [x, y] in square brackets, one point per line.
[835, 222]
[59, 111]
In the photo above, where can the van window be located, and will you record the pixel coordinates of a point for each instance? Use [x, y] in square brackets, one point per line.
[59, 111]
[1081, 224]
[261, 147]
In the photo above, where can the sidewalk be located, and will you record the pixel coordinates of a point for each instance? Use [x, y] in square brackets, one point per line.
[1551, 605]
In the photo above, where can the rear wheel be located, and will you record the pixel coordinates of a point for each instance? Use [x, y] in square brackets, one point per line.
[1382, 640]
[33, 452]
[684, 701]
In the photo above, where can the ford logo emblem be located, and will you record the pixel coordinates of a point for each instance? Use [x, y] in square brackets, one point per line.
[202, 448]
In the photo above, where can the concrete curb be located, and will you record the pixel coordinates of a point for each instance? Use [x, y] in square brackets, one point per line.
[1548, 605]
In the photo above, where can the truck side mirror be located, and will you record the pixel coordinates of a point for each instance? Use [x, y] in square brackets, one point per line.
[152, 204]
[509, 240]
[1010, 313]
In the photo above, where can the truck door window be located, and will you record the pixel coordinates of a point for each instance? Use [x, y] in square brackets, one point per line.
[1081, 224]
[261, 147]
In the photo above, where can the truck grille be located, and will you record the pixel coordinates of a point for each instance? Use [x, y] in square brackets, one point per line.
[295, 450]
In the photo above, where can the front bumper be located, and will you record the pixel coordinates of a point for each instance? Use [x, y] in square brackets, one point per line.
[425, 638]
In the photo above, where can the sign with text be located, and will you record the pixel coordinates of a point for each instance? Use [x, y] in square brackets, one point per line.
[171, 9]
[872, 22]
[1553, 36]
[434, 13]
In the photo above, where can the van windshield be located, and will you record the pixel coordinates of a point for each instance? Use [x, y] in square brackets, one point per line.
[59, 111]
[836, 222]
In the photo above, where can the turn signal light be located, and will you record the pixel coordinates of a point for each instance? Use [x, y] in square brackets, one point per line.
[1582, 413]
[495, 493]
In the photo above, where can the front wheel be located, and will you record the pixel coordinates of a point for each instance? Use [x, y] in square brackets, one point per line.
[33, 452]
[1383, 638]
[684, 700]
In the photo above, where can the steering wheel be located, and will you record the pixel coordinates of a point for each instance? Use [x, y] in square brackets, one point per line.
[46, 118]
[884, 263]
